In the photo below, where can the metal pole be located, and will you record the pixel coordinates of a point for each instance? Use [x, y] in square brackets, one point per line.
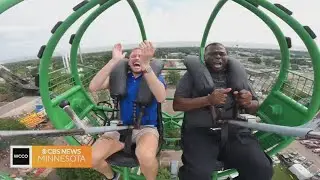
[64, 132]
[313, 135]
[282, 130]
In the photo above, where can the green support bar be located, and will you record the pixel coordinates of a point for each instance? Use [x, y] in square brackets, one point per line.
[313, 50]
[208, 27]
[7, 4]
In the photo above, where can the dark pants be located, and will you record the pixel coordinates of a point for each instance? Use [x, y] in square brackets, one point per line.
[201, 151]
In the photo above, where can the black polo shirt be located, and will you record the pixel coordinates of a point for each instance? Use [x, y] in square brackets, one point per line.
[202, 117]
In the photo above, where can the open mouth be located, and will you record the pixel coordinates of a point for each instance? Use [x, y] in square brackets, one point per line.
[217, 65]
[136, 64]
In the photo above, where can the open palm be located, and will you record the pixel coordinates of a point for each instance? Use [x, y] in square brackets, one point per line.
[147, 52]
[117, 52]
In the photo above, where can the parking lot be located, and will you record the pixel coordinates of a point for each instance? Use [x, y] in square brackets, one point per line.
[305, 153]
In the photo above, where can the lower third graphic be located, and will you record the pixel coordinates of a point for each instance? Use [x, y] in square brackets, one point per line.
[20, 156]
[50, 157]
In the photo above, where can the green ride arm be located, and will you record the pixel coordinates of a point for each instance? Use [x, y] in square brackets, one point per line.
[310, 44]
[7, 4]
[84, 26]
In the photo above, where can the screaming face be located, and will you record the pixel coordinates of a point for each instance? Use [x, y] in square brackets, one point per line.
[216, 57]
[134, 61]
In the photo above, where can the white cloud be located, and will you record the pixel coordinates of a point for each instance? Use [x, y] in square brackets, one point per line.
[165, 20]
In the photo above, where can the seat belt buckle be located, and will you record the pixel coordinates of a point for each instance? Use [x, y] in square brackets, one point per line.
[248, 118]
[215, 129]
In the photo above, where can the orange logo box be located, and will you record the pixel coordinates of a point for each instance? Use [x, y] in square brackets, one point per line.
[61, 157]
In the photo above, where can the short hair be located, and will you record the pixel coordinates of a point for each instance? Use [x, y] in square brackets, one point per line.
[128, 54]
[215, 44]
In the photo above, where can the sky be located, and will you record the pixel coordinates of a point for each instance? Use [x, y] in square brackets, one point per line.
[25, 27]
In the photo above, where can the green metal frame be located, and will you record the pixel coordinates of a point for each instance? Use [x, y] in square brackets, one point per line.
[276, 109]
[5, 4]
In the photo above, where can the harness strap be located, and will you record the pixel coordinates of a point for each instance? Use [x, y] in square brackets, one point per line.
[224, 125]
[128, 141]
[224, 134]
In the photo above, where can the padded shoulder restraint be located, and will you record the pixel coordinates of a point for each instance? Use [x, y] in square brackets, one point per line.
[145, 96]
[203, 82]
[237, 76]
[118, 79]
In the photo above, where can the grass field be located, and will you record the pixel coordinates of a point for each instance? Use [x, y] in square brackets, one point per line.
[282, 173]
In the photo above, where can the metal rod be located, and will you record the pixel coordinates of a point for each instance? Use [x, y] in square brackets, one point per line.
[58, 132]
[313, 135]
[37, 133]
[79, 124]
[282, 130]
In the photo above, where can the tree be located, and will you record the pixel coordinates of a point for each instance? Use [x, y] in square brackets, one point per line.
[268, 62]
[294, 67]
[173, 77]
[255, 60]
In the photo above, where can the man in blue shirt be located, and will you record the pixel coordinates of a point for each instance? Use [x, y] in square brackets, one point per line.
[145, 138]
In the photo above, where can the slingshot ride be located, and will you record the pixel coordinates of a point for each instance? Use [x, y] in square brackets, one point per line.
[75, 115]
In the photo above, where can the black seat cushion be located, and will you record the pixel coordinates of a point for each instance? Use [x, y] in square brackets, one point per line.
[123, 159]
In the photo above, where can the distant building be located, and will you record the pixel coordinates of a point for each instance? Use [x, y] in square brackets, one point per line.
[251, 71]
[30, 67]
[170, 64]
[300, 171]
[176, 55]
[2, 81]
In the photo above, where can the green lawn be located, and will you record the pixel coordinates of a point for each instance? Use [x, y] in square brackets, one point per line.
[282, 173]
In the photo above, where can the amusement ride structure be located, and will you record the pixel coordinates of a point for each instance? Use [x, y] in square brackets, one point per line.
[77, 117]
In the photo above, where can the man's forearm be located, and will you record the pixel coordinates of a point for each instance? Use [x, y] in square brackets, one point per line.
[253, 107]
[156, 86]
[187, 104]
[99, 79]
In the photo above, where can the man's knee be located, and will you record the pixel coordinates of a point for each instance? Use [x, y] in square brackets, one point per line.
[146, 149]
[197, 172]
[96, 160]
[265, 168]
[145, 158]
[103, 148]
[195, 169]
[146, 152]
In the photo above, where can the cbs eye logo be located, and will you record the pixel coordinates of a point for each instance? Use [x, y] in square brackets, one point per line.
[20, 156]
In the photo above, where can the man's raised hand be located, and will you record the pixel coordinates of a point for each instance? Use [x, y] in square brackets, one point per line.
[218, 96]
[147, 52]
[117, 52]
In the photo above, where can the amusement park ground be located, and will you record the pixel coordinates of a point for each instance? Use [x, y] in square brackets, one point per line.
[307, 153]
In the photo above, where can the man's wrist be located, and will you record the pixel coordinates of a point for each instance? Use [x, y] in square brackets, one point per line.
[251, 105]
[115, 59]
[207, 100]
[248, 104]
[146, 68]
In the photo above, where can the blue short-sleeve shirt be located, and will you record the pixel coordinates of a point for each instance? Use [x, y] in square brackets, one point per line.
[126, 104]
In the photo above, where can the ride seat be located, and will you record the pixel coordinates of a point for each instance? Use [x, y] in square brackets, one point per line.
[123, 159]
